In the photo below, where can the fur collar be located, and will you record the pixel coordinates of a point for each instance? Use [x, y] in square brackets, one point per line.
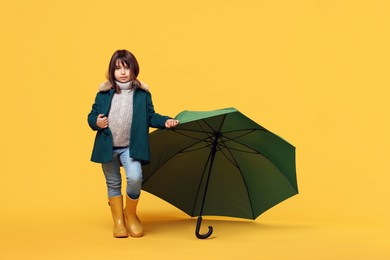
[106, 86]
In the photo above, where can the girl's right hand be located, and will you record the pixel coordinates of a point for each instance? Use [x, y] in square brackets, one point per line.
[102, 121]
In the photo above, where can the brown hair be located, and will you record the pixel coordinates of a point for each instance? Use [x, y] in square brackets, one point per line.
[125, 58]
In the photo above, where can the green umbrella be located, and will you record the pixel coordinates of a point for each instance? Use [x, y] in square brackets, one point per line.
[220, 163]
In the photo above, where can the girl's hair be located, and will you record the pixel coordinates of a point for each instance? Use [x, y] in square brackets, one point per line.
[125, 58]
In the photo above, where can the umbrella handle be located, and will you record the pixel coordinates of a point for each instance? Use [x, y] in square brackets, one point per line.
[198, 235]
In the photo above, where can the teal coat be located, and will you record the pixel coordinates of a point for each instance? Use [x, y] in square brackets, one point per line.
[143, 118]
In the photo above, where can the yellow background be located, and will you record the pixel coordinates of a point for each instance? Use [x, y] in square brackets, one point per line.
[314, 72]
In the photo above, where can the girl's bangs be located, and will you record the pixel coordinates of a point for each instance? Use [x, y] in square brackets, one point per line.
[122, 62]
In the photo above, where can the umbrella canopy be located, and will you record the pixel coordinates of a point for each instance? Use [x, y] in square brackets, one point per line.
[220, 163]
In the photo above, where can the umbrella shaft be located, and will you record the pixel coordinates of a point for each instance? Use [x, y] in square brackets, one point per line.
[212, 154]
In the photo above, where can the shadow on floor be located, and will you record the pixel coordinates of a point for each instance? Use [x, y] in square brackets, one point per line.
[160, 222]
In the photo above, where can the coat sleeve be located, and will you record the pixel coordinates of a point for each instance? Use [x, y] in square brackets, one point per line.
[92, 116]
[154, 119]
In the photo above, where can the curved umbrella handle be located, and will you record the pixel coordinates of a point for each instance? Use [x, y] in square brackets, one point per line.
[198, 235]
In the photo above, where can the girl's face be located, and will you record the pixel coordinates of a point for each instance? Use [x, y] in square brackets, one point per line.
[122, 72]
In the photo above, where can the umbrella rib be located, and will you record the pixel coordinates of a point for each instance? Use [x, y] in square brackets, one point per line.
[232, 161]
[189, 130]
[212, 129]
[196, 149]
[265, 157]
[197, 122]
[200, 184]
[220, 148]
[227, 132]
[249, 129]
[199, 141]
[239, 150]
[176, 131]
[234, 140]
[203, 131]
[179, 131]
[242, 176]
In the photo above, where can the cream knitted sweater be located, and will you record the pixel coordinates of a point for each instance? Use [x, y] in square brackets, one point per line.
[121, 115]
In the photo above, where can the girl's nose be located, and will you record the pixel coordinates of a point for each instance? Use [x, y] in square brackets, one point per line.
[122, 70]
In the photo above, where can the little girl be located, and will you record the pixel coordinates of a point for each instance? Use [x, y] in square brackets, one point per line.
[122, 114]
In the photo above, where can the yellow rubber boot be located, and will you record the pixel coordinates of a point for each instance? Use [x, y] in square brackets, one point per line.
[116, 204]
[133, 223]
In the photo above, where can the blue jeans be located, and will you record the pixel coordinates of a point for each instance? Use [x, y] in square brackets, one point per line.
[113, 176]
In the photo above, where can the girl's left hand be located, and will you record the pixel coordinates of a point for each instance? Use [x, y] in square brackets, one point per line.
[171, 123]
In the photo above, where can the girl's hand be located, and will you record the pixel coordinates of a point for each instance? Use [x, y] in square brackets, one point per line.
[171, 123]
[102, 121]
